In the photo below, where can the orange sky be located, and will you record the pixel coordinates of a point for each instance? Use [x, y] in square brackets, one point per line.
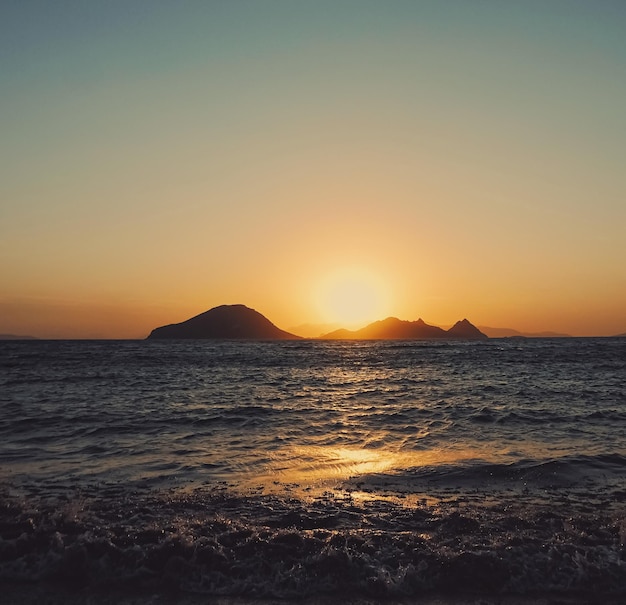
[411, 159]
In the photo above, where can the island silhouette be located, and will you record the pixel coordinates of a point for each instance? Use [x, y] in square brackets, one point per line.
[225, 322]
[232, 322]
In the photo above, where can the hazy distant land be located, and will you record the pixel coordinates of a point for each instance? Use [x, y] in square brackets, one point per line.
[311, 330]
[507, 332]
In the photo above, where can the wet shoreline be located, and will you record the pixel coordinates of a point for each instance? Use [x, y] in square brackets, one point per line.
[212, 543]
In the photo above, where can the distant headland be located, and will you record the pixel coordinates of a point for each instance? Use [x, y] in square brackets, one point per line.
[17, 337]
[393, 328]
[228, 322]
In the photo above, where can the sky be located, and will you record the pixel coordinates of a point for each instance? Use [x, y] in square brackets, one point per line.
[322, 162]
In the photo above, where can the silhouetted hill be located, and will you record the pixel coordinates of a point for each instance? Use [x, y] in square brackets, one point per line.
[393, 328]
[225, 322]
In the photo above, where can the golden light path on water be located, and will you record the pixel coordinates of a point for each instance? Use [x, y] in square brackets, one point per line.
[313, 468]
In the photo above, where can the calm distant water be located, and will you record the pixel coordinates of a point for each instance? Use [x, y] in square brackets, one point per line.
[455, 450]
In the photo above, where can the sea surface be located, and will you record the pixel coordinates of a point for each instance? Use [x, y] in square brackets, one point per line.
[314, 469]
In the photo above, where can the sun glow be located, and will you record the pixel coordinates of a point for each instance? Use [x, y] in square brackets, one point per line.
[352, 298]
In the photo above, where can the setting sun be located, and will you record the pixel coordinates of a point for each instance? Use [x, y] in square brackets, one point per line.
[353, 298]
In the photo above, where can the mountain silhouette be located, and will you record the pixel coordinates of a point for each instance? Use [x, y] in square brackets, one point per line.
[224, 322]
[393, 328]
[465, 329]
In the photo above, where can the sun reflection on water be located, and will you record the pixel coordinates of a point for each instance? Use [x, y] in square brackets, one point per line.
[342, 461]
[314, 467]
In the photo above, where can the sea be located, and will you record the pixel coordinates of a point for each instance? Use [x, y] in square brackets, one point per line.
[320, 471]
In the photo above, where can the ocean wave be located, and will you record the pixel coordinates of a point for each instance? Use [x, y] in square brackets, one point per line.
[563, 472]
